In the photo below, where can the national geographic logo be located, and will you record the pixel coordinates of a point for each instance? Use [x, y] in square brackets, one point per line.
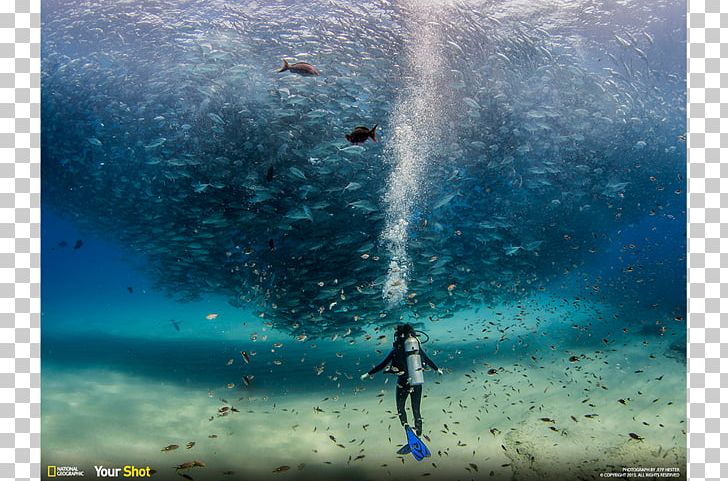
[63, 471]
[128, 471]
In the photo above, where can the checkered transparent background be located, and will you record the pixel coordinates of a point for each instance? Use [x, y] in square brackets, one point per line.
[20, 231]
[707, 102]
[20, 234]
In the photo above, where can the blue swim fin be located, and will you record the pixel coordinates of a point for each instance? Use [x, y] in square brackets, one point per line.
[404, 449]
[418, 449]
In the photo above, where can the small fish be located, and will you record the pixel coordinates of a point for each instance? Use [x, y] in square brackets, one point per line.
[190, 444]
[191, 464]
[354, 150]
[445, 200]
[301, 68]
[360, 135]
[363, 205]
[352, 186]
[636, 437]
[155, 143]
[215, 118]
[246, 357]
[211, 317]
[471, 103]
[171, 447]
[298, 173]
[280, 469]
[78, 244]
[130, 289]
[199, 187]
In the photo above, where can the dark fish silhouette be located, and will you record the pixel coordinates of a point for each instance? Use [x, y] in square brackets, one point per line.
[269, 174]
[175, 324]
[301, 68]
[78, 244]
[360, 135]
[191, 464]
[130, 289]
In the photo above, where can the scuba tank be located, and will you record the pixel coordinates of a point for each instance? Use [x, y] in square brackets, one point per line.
[414, 361]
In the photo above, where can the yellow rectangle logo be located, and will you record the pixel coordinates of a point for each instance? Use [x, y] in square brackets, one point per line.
[51, 471]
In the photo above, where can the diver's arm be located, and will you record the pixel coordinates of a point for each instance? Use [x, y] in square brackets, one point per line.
[428, 361]
[382, 364]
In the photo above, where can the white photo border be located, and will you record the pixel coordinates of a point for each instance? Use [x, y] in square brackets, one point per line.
[20, 238]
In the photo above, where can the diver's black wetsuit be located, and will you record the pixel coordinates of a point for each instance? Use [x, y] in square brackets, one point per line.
[398, 361]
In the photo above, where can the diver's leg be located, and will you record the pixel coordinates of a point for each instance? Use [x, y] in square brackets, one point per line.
[401, 393]
[416, 399]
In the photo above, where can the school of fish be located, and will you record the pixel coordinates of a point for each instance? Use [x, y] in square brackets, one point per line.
[173, 130]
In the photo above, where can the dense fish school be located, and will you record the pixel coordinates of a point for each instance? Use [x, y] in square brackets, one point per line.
[171, 130]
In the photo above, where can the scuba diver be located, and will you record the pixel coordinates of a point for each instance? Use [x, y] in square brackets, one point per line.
[406, 361]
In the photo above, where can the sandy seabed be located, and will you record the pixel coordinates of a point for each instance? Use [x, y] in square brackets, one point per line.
[534, 418]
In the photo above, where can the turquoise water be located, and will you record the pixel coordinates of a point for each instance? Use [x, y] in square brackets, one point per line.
[523, 206]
